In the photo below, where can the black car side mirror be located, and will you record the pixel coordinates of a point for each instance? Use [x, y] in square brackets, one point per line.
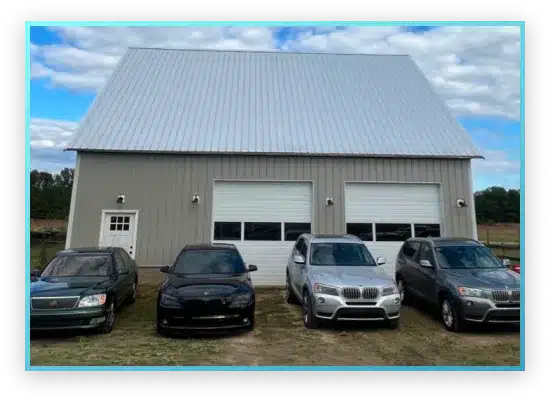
[252, 268]
[35, 273]
[165, 269]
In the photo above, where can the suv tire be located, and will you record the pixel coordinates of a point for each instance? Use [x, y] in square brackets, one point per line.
[289, 292]
[403, 293]
[452, 320]
[310, 320]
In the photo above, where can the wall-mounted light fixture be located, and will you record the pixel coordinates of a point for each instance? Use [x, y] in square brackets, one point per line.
[196, 199]
[329, 201]
[120, 198]
[460, 202]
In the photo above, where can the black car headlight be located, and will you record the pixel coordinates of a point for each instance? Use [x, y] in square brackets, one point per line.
[240, 301]
[169, 301]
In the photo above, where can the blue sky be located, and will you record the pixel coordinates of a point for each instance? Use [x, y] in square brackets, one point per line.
[475, 70]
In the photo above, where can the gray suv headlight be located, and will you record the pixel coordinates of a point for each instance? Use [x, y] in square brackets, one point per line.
[325, 289]
[470, 292]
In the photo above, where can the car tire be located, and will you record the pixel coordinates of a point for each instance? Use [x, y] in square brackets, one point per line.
[109, 323]
[310, 320]
[160, 329]
[403, 293]
[289, 292]
[133, 293]
[393, 323]
[252, 319]
[452, 320]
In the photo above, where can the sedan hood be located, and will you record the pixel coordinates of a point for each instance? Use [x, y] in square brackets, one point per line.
[68, 286]
[352, 276]
[187, 286]
[498, 278]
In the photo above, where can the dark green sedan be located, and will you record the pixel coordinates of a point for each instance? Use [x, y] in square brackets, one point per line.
[82, 288]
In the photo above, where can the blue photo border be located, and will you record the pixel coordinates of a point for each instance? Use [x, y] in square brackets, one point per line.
[28, 25]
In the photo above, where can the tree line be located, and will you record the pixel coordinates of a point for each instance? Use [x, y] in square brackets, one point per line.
[51, 197]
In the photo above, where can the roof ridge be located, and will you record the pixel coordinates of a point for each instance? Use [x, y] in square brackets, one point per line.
[265, 51]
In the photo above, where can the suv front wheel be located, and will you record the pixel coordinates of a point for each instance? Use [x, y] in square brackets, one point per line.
[450, 316]
[310, 319]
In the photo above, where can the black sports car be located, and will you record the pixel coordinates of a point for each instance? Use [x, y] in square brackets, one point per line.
[82, 288]
[208, 288]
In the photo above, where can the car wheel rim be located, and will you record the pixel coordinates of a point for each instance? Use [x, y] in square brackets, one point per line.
[448, 317]
[401, 289]
[134, 291]
[287, 288]
[306, 311]
[111, 316]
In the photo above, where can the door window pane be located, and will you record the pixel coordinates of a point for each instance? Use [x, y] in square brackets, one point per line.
[427, 230]
[270, 231]
[425, 253]
[392, 232]
[227, 231]
[294, 229]
[362, 230]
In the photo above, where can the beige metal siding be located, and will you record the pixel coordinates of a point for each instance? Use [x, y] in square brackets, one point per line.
[161, 188]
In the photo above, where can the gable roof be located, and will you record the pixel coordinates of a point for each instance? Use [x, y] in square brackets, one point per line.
[204, 101]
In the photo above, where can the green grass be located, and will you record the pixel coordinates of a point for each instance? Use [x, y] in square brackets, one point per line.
[279, 339]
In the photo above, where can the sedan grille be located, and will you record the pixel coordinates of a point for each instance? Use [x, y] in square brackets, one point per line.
[506, 295]
[351, 293]
[370, 293]
[53, 303]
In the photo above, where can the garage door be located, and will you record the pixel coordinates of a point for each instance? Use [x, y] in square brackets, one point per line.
[263, 219]
[383, 215]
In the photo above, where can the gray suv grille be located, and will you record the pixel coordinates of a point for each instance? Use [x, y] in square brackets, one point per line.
[506, 295]
[370, 293]
[351, 293]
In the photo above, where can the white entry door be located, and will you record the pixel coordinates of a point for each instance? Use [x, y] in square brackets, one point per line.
[118, 229]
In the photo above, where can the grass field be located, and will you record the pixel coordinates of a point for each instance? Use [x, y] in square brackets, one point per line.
[507, 233]
[279, 339]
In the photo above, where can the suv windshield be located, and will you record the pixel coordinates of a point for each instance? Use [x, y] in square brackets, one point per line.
[340, 254]
[79, 265]
[461, 257]
[209, 262]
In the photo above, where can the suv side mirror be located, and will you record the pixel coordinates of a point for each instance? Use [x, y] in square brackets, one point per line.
[299, 259]
[506, 262]
[252, 268]
[165, 269]
[381, 260]
[426, 264]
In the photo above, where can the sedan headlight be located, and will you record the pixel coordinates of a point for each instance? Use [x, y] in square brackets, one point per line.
[169, 301]
[470, 292]
[325, 289]
[389, 290]
[94, 300]
[240, 301]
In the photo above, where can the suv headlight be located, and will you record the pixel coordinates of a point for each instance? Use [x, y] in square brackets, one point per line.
[169, 301]
[389, 290]
[240, 301]
[470, 292]
[94, 300]
[325, 289]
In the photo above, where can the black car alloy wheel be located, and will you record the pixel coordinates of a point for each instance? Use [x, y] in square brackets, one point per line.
[109, 319]
[133, 292]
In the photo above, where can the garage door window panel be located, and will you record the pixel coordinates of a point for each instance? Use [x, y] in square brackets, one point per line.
[262, 231]
[293, 230]
[393, 232]
[363, 231]
[227, 231]
[427, 230]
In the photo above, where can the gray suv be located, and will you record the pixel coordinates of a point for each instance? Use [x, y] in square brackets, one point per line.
[335, 277]
[462, 278]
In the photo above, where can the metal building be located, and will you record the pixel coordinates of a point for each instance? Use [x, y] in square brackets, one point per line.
[185, 146]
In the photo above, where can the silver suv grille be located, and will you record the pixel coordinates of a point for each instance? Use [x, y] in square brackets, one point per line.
[370, 293]
[351, 293]
[506, 295]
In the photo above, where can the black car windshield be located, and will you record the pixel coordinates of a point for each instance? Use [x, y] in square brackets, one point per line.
[463, 257]
[209, 262]
[340, 254]
[79, 265]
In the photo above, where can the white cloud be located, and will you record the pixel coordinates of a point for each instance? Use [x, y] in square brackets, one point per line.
[497, 162]
[475, 69]
[47, 133]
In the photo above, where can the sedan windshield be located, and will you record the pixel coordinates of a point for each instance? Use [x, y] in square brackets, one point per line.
[462, 257]
[79, 265]
[209, 262]
[340, 254]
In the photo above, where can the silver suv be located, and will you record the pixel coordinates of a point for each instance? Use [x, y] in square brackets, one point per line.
[335, 277]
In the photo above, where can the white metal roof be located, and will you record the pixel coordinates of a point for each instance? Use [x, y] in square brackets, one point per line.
[204, 101]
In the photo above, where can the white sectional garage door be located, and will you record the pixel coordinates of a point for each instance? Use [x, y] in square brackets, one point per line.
[263, 219]
[383, 215]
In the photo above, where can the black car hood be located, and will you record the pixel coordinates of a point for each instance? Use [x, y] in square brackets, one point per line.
[190, 286]
[497, 278]
[69, 286]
